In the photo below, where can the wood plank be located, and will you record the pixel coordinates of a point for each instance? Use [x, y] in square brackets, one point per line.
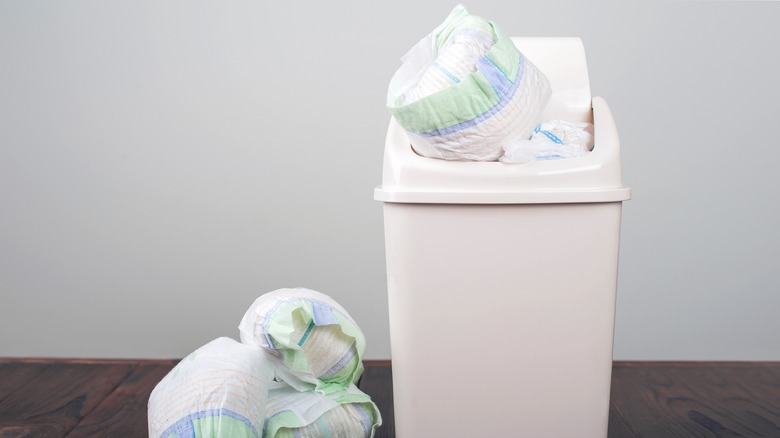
[57, 398]
[618, 426]
[683, 400]
[377, 381]
[124, 412]
[756, 395]
[14, 376]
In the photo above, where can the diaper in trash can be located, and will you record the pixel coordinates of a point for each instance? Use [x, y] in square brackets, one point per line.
[465, 90]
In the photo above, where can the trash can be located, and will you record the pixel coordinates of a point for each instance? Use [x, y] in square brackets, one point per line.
[502, 277]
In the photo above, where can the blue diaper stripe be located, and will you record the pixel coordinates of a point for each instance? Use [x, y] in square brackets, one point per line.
[185, 428]
[323, 314]
[306, 334]
[446, 72]
[365, 419]
[554, 138]
[340, 364]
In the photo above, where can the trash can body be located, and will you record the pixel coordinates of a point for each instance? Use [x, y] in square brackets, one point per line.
[502, 318]
[502, 277]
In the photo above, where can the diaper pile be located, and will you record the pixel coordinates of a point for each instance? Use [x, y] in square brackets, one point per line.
[292, 375]
[465, 90]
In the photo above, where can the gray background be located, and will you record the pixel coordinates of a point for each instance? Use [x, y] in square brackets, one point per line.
[164, 163]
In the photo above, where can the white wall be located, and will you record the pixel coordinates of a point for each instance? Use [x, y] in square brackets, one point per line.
[164, 163]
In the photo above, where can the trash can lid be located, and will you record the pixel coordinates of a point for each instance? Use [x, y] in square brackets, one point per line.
[562, 60]
[595, 177]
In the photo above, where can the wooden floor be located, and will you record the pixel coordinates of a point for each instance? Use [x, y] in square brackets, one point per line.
[86, 398]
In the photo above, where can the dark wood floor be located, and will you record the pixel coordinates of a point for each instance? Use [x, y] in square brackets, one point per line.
[85, 398]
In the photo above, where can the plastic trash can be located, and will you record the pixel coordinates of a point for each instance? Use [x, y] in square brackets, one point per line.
[502, 277]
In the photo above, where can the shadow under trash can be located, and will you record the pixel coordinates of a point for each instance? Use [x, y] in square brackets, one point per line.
[502, 277]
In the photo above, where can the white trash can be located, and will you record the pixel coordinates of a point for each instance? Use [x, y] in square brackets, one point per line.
[502, 277]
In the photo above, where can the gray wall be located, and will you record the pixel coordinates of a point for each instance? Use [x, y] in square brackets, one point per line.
[164, 163]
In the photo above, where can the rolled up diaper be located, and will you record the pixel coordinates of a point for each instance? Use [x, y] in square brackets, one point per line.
[465, 90]
[220, 390]
[551, 140]
[315, 341]
[348, 413]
